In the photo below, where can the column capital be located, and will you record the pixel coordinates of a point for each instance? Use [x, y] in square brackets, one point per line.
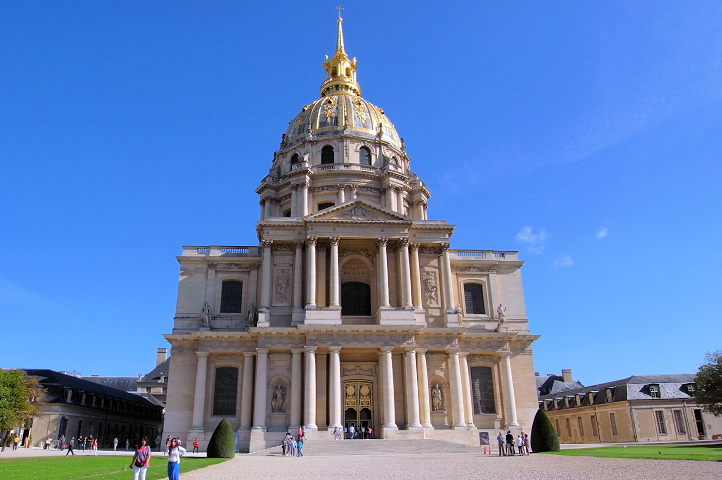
[294, 186]
[382, 241]
[421, 350]
[386, 349]
[353, 186]
[262, 351]
[445, 246]
[334, 348]
[267, 243]
[296, 351]
[202, 353]
[311, 240]
[463, 354]
[403, 242]
[414, 246]
[249, 354]
[334, 240]
[341, 186]
[309, 349]
[299, 244]
[452, 351]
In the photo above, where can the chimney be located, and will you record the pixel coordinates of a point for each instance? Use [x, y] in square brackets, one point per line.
[567, 375]
[536, 374]
[161, 356]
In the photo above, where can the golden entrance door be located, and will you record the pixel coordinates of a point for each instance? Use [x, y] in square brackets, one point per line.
[358, 407]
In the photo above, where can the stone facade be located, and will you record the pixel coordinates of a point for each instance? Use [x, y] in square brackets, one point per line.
[353, 308]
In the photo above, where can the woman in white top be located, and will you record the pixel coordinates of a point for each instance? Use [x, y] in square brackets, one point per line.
[175, 451]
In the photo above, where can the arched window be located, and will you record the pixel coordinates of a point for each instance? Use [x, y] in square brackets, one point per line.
[287, 213]
[474, 299]
[364, 156]
[231, 296]
[327, 154]
[324, 206]
[295, 159]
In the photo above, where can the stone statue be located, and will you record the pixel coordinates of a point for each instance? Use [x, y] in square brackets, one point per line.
[279, 396]
[252, 315]
[501, 313]
[437, 399]
[206, 315]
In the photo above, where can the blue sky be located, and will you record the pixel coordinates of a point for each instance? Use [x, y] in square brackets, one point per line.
[586, 135]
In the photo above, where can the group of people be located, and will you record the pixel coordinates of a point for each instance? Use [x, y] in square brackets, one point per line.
[361, 432]
[141, 459]
[509, 446]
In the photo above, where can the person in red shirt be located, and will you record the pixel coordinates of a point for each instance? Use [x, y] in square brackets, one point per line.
[195, 446]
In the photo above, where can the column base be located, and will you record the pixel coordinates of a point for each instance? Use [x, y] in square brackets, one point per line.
[393, 316]
[420, 315]
[297, 317]
[323, 316]
[312, 427]
[451, 319]
[415, 426]
[264, 317]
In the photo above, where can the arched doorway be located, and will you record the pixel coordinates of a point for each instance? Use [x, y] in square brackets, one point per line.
[355, 299]
[358, 406]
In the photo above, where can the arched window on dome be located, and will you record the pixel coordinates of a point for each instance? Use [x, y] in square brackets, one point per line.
[327, 154]
[364, 156]
[324, 206]
[295, 159]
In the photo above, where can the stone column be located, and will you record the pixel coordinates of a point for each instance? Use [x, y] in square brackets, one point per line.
[383, 274]
[424, 207]
[294, 200]
[341, 194]
[262, 203]
[400, 200]
[266, 275]
[446, 272]
[334, 390]
[296, 388]
[423, 379]
[405, 274]
[334, 280]
[260, 391]
[415, 276]
[199, 396]
[412, 390]
[298, 277]
[310, 390]
[247, 391]
[304, 199]
[388, 386]
[268, 205]
[466, 389]
[311, 272]
[457, 393]
[354, 191]
[390, 198]
[508, 386]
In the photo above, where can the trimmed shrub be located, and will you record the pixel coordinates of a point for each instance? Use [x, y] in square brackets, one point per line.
[223, 442]
[543, 436]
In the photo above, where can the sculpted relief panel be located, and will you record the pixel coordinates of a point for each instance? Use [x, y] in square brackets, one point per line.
[281, 286]
[431, 290]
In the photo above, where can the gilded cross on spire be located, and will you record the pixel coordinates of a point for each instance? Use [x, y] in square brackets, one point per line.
[339, 10]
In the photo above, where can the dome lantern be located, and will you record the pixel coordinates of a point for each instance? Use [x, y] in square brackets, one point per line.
[340, 71]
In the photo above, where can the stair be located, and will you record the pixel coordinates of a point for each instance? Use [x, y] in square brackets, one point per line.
[377, 447]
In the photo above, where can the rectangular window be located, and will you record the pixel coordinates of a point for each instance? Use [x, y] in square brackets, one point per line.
[654, 391]
[659, 419]
[473, 299]
[569, 427]
[556, 422]
[231, 296]
[595, 428]
[482, 384]
[580, 426]
[699, 422]
[613, 423]
[679, 421]
[225, 390]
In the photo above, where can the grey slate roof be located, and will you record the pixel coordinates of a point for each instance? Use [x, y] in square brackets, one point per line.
[552, 384]
[127, 384]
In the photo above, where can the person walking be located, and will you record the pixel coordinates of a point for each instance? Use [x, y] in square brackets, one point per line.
[300, 447]
[16, 442]
[175, 452]
[141, 460]
[195, 446]
[71, 444]
[351, 432]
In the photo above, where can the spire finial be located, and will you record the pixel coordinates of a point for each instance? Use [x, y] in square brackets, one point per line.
[340, 71]
[339, 36]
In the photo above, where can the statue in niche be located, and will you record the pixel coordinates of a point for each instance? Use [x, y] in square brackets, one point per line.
[206, 315]
[279, 396]
[251, 315]
[501, 313]
[437, 399]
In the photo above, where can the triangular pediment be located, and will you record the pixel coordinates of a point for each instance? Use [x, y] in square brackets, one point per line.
[358, 211]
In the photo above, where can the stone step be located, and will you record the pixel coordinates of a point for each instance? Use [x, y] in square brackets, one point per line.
[377, 447]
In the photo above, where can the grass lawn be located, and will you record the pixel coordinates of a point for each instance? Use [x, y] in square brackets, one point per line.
[654, 452]
[98, 468]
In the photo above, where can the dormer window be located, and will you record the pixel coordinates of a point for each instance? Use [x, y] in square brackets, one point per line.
[654, 391]
[610, 394]
[688, 388]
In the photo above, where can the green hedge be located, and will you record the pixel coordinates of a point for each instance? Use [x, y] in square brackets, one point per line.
[223, 442]
[543, 436]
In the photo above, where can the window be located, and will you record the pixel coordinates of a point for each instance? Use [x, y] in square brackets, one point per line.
[580, 426]
[679, 421]
[613, 423]
[231, 296]
[473, 299]
[482, 386]
[324, 206]
[557, 425]
[595, 428]
[287, 213]
[327, 154]
[569, 427]
[699, 422]
[224, 393]
[659, 419]
[295, 159]
[355, 299]
[654, 391]
[364, 156]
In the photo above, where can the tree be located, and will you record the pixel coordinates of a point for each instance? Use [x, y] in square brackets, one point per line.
[543, 436]
[708, 384]
[19, 396]
[223, 442]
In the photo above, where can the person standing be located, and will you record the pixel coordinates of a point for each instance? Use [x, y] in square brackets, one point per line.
[520, 444]
[500, 442]
[509, 443]
[71, 444]
[115, 444]
[167, 444]
[195, 446]
[175, 452]
[141, 460]
[127, 443]
[351, 432]
[300, 447]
